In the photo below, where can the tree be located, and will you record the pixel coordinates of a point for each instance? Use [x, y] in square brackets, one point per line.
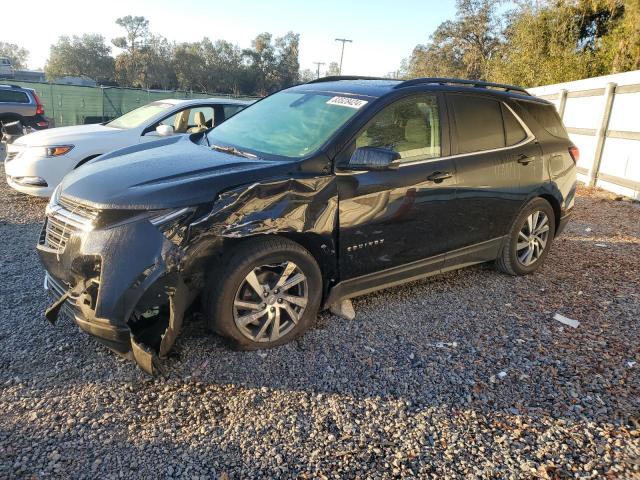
[137, 34]
[462, 47]
[307, 75]
[137, 29]
[620, 45]
[154, 62]
[87, 55]
[287, 64]
[17, 55]
[333, 70]
[190, 67]
[547, 43]
[260, 62]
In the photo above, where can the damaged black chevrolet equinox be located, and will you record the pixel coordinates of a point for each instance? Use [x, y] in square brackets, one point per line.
[311, 196]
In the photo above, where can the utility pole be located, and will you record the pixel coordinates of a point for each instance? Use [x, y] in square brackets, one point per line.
[343, 40]
[318, 64]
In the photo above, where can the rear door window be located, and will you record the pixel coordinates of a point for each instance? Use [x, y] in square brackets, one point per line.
[231, 110]
[13, 96]
[477, 123]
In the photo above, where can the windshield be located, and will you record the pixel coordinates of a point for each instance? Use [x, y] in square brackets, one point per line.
[286, 124]
[137, 117]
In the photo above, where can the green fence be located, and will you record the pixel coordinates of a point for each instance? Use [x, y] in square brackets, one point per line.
[74, 105]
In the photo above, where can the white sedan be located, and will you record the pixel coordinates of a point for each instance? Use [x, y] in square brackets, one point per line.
[36, 163]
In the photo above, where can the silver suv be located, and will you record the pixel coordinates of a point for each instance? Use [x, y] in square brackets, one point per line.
[21, 105]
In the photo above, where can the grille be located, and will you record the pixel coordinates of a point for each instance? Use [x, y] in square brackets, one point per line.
[65, 219]
[85, 211]
[58, 233]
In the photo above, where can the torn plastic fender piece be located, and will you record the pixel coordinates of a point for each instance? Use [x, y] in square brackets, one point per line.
[177, 305]
[144, 355]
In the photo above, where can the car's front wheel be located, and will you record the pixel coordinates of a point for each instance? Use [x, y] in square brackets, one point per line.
[529, 239]
[266, 295]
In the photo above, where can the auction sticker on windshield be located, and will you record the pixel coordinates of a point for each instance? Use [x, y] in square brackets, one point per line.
[347, 102]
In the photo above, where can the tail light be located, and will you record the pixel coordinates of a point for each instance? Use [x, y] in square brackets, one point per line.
[575, 153]
[39, 106]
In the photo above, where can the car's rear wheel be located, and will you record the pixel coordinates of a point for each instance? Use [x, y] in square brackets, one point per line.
[529, 239]
[266, 295]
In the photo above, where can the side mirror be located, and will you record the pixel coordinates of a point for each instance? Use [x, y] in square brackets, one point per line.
[164, 130]
[374, 158]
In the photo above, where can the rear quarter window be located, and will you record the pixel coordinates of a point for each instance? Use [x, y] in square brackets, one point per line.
[12, 96]
[513, 131]
[547, 117]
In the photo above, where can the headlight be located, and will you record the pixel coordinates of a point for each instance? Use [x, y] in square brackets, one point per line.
[56, 151]
[172, 223]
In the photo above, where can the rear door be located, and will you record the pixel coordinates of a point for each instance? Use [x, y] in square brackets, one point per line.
[395, 217]
[491, 147]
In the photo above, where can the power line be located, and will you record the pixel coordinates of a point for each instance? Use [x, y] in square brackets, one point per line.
[318, 64]
[343, 40]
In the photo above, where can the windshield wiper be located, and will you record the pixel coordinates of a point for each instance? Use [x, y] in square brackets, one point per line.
[233, 151]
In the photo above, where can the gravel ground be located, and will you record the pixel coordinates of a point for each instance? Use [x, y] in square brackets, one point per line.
[463, 375]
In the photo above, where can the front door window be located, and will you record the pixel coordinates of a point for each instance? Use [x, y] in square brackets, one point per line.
[410, 127]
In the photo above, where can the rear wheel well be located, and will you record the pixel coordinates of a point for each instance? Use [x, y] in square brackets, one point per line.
[11, 117]
[556, 207]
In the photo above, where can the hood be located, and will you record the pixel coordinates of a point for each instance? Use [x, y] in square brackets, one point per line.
[169, 173]
[64, 135]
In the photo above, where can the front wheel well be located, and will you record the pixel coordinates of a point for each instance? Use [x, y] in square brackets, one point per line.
[321, 250]
[85, 160]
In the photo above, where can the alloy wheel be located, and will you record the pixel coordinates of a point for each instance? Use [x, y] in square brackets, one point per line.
[532, 238]
[270, 301]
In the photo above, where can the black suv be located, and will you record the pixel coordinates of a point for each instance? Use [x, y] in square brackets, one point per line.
[313, 195]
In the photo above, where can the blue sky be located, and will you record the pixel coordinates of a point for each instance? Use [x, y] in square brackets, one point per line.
[383, 32]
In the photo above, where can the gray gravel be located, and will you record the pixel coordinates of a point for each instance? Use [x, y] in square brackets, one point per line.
[463, 375]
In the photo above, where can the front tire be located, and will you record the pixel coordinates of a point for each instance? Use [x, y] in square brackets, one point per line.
[529, 239]
[267, 294]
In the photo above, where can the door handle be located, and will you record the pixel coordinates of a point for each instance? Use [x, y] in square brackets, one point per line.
[438, 177]
[524, 159]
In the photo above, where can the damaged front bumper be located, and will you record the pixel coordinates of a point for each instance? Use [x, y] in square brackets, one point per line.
[123, 285]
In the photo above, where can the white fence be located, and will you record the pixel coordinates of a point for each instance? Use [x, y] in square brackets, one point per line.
[602, 116]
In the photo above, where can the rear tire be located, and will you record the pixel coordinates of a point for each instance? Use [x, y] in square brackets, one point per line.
[529, 239]
[266, 294]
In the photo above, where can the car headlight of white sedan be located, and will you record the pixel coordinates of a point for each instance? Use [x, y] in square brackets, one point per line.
[57, 150]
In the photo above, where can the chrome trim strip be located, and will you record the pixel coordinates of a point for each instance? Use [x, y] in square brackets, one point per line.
[74, 220]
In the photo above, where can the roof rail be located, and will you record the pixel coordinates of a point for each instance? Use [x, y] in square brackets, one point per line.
[335, 78]
[457, 81]
[10, 85]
